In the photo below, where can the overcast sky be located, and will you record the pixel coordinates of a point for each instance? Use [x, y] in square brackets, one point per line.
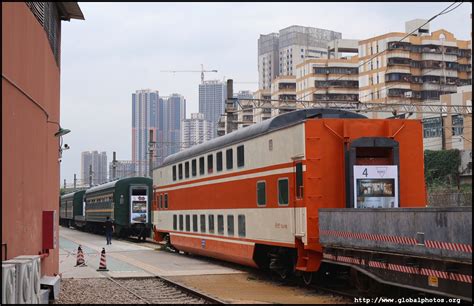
[121, 47]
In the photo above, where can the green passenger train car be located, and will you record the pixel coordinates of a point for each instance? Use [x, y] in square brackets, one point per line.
[126, 201]
[71, 206]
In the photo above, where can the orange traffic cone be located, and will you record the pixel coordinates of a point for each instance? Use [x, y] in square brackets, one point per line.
[102, 265]
[80, 258]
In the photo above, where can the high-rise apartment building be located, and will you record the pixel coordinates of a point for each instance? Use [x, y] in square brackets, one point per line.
[99, 167]
[212, 96]
[146, 112]
[418, 69]
[279, 53]
[174, 112]
[123, 168]
[195, 130]
[284, 90]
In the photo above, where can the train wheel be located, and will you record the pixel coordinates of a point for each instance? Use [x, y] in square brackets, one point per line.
[307, 278]
[362, 282]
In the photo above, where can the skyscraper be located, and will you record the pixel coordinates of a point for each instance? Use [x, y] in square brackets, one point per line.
[123, 168]
[99, 167]
[146, 112]
[211, 101]
[174, 112]
[279, 53]
[195, 130]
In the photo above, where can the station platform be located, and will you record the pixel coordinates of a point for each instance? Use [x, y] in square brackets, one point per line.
[127, 259]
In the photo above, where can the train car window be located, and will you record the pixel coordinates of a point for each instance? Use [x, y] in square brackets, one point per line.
[230, 225]
[219, 161]
[229, 159]
[166, 201]
[174, 173]
[186, 170]
[188, 223]
[193, 167]
[134, 192]
[299, 180]
[180, 171]
[261, 193]
[241, 225]
[220, 224]
[181, 223]
[160, 201]
[240, 156]
[195, 223]
[283, 191]
[210, 164]
[201, 165]
[211, 223]
[175, 221]
[203, 223]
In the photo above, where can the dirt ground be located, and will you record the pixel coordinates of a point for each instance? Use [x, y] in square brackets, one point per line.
[243, 288]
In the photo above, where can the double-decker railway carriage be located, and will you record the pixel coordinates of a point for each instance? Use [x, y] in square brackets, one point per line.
[125, 201]
[71, 205]
[252, 196]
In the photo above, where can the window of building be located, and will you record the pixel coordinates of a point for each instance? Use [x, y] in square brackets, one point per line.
[458, 125]
[201, 165]
[174, 173]
[175, 221]
[240, 156]
[211, 224]
[181, 223]
[188, 223]
[261, 193]
[166, 201]
[203, 223]
[299, 180]
[195, 223]
[186, 170]
[210, 164]
[160, 201]
[283, 191]
[219, 161]
[220, 224]
[229, 159]
[432, 127]
[241, 225]
[180, 171]
[193, 167]
[230, 225]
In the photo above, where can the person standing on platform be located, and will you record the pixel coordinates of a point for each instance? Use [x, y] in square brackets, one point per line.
[109, 229]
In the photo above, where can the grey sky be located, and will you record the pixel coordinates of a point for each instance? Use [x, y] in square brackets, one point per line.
[121, 47]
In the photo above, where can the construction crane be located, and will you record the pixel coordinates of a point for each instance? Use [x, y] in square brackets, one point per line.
[201, 71]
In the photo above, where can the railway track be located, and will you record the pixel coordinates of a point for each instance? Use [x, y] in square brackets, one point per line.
[160, 290]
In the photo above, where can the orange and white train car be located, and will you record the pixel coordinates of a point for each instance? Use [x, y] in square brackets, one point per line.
[252, 196]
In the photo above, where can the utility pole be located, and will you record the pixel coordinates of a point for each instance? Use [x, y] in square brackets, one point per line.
[75, 180]
[114, 166]
[230, 108]
[64, 183]
[90, 175]
[151, 144]
[441, 87]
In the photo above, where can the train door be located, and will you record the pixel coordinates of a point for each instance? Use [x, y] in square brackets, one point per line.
[299, 210]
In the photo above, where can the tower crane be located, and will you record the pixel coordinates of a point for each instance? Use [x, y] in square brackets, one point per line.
[201, 71]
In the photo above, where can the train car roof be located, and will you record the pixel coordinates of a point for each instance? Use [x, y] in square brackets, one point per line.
[113, 183]
[71, 194]
[267, 126]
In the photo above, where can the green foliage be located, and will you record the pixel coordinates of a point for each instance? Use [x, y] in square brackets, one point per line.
[442, 168]
[62, 191]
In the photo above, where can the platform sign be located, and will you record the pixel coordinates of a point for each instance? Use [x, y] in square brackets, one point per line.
[139, 209]
[376, 186]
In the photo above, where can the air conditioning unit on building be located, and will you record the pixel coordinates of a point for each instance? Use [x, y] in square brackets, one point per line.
[408, 94]
[8, 284]
[24, 273]
[35, 278]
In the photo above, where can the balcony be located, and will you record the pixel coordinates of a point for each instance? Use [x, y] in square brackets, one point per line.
[337, 84]
[336, 97]
[287, 86]
[398, 61]
[395, 45]
[335, 70]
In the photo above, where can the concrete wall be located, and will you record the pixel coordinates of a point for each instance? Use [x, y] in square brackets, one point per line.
[30, 174]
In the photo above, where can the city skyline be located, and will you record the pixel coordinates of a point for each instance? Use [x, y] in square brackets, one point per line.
[198, 42]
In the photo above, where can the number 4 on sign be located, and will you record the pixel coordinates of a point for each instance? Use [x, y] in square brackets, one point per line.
[365, 172]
